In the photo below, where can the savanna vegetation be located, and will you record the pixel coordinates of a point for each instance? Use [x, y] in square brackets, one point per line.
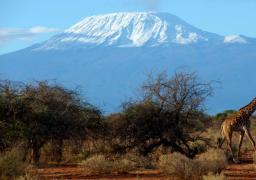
[43, 123]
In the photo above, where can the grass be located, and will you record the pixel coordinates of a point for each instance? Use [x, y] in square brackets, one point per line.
[179, 166]
[213, 160]
[123, 166]
[98, 164]
[212, 176]
[176, 164]
[11, 164]
[254, 158]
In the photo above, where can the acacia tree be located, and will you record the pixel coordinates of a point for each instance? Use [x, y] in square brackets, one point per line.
[11, 109]
[41, 112]
[169, 114]
[57, 114]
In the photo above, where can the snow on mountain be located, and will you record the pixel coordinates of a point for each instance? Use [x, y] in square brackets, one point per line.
[234, 39]
[129, 30]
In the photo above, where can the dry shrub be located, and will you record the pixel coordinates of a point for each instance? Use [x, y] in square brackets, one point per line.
[179, 166]
[30, 173]
[27, 177]
[254, 160]
[140, 161]
[71, 153]
[159, 151]
[12, 164]
[254, 157]
[74, 152]
[98, 164]
[212, 176]
[213, 160]
[71, 157]
[123, 166]
[46, 154]
[129, 162]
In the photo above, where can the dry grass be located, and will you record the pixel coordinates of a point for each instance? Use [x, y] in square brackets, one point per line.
[98, 164]
[175, 164]
[11, 164]
[213, 160]
[212, 176]
[140, 161]
[179, 166]
[123, 166]
[27, 177]
[254, 158]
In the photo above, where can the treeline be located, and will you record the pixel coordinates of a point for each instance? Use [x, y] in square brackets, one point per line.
[169, 113]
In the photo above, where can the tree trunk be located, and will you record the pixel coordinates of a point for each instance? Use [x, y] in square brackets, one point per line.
[35, 153]
[57, 150]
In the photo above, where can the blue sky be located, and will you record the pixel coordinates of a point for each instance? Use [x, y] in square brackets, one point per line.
[25, 22]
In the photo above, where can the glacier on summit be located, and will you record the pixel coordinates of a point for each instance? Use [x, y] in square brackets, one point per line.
[129, 30]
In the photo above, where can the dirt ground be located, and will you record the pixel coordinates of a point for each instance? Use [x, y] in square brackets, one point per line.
[78, 173]
[246, 170]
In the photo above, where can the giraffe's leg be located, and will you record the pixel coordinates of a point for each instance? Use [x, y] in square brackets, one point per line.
[248, 133]
[229, 143]
[240, 142]
[220, 141]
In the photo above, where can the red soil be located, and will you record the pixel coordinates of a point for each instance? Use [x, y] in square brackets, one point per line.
[245, 170]
[79, 173]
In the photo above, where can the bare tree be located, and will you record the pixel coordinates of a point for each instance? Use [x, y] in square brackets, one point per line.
[170, 114]
[182, 93]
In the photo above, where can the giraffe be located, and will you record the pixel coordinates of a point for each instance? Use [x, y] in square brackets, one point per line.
[238, 122]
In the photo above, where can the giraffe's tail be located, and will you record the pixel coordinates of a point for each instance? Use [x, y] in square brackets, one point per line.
[221, 139]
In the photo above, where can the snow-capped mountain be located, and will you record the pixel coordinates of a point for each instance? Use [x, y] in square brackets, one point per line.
[129, 30]
[109, 55]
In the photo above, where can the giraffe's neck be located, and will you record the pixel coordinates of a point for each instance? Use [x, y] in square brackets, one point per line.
[247, 110]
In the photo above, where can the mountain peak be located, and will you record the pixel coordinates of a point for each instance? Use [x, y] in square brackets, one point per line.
[129, 29]
[122, 29]
[122, 18]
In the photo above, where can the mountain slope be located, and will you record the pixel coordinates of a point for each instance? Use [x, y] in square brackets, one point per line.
[108, 57]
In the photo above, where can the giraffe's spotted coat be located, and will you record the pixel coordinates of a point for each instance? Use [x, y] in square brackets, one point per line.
[240, 122]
